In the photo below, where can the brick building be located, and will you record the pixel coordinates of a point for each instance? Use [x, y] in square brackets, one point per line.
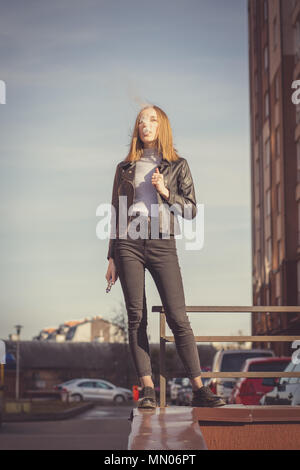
[274, 64]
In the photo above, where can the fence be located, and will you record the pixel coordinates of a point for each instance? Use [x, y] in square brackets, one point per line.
[219, 339]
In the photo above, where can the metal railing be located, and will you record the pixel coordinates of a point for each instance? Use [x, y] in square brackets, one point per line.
[219, 339]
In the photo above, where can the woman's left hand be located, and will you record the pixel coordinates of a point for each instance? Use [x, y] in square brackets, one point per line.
[158, 182]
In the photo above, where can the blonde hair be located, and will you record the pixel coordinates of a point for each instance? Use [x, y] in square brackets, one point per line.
[164, 138]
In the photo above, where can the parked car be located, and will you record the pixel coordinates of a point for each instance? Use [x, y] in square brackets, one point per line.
[296, 396]
[205, 380]
[286, 391]
[95, 389]
[248, 390]
[184, 393]
[174, 385]
[231, 360]
[1, 392]
[61, 386]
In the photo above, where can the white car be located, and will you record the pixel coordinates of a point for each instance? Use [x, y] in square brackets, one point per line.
[296, 396]
[287, 390]
[175, 385]
[95, 389]
[231, 360]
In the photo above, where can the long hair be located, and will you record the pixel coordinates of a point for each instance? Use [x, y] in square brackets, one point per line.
[165, 145]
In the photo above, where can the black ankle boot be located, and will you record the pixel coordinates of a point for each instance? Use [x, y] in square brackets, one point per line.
[205, 397]
[147, 398]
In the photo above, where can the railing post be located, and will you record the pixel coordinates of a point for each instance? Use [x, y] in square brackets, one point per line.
[219, 339]
[162, 360]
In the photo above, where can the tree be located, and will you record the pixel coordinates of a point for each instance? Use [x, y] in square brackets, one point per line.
[120, 319]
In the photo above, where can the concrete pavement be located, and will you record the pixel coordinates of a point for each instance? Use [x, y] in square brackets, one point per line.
[100, 428]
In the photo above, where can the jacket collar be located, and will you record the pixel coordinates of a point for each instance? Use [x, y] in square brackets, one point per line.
[162, 164]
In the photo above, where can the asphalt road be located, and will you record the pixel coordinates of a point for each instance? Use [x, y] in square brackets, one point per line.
[102, 427]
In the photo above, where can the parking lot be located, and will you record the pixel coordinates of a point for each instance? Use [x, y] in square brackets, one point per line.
[102, 427]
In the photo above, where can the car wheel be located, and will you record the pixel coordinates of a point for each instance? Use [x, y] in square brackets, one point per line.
[77, 397]
[119, 399]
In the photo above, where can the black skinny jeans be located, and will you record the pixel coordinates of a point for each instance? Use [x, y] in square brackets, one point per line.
[159, 256]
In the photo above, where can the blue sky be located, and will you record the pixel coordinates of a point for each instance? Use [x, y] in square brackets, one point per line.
[76, 75]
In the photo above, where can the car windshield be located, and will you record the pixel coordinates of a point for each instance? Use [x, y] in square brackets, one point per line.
[178, 381]
[103, 385]
[86, 384]
[288, 368]
[233, 362]
[272, 366]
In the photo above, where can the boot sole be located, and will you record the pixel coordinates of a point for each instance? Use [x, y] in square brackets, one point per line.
[206, 405]
[147, 405]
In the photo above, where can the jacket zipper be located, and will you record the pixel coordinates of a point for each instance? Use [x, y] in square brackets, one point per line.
[133, 186]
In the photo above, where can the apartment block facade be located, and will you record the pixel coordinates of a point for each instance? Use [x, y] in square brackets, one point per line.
[274, 66]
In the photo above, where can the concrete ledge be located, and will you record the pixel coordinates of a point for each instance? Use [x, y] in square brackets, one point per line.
[230, 427]
[248, 414]
[240, 427]
[165, 428]
[23, 417]
[251, 436]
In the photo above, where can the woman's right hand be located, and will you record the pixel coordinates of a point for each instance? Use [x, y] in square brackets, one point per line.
[111, 273]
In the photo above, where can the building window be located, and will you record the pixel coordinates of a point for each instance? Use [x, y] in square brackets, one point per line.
[278, 198]
[277, 141]
[298, 161]
[269, 250]
[268, 295]
[256, 176]
[275, 38]
[267, 153]
[268, 201]
[256, 82]
[297, 113]
[257, 219]
[258, 321]
[256, 126]
[277, 285]
[298, 203]
[266, 105]
[265, 10]
[298, 280]
[255, 40]
[266, 57]
[254, 8]
[277, 87]
[253, 21]
[297, 41]
[258, 261]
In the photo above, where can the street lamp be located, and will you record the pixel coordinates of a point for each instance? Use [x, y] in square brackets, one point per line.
[18, 328]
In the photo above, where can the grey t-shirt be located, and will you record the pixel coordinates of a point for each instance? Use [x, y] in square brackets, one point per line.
[145, 192]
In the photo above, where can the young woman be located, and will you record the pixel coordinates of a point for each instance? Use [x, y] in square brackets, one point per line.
[153, 174]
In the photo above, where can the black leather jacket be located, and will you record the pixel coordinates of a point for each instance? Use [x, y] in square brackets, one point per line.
[178, 180]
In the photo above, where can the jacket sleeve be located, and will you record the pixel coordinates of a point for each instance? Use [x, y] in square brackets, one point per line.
[115, 204]
[185, 194]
